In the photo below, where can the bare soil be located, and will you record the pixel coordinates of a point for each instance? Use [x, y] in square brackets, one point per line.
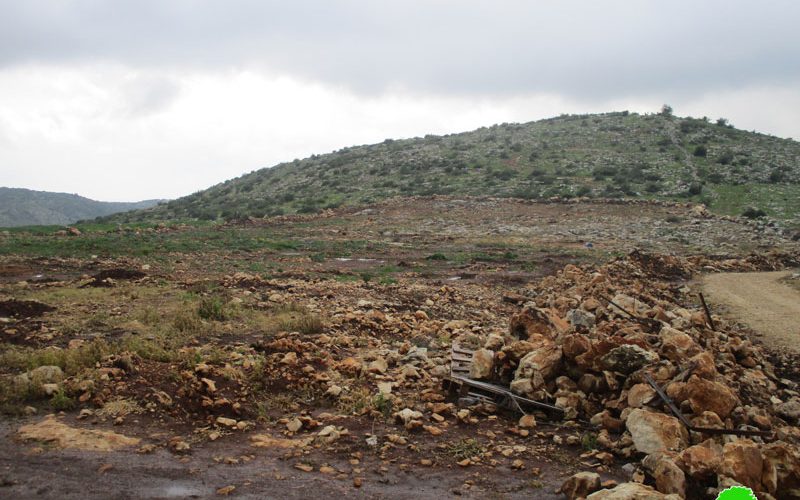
[761, 301]
[385, 278]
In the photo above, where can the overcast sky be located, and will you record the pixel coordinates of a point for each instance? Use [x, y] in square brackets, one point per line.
[124, 100]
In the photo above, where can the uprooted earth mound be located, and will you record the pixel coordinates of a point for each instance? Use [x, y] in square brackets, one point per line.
[368, 378]
[588, 339]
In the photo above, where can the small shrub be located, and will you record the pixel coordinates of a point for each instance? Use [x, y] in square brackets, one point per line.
[61, 401]
[296, 318]
[589, 441]
[465, 448]
[436, 256]
[212, 308]
[753, 213]
[725, 158]
[382, 404]
[652, 187]
[186, 322]
[700, 151]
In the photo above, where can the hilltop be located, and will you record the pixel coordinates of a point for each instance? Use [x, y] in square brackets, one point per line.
[608, 155]
[25, 207]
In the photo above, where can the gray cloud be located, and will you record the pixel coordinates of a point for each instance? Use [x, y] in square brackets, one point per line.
[145, 95]
[585, 50]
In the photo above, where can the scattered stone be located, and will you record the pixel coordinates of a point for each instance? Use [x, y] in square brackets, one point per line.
[527, 422]
[580, 485]
[294, 425]
[226, 490]
[226, 422]
[378, 366]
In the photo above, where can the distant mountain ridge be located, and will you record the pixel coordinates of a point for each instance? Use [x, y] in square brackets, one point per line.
[26, 207]
[609, 155]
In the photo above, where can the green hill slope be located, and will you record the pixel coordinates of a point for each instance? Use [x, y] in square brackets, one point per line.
[24, 207]
[607, 155]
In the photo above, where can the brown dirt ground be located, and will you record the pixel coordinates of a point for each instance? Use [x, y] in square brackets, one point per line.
[761, 301]
[31, 469]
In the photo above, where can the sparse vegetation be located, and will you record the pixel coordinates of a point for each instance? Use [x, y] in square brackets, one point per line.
[465, 448]
[612, 154]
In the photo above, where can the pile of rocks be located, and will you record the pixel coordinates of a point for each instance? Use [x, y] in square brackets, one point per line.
[586, 341]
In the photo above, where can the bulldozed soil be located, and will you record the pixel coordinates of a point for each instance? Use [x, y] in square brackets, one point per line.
[303, 356]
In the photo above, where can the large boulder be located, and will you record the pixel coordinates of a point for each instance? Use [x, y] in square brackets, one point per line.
[41, 379]
[518, 349]
[536, 368]
[668, 476]
[701, 460]
[656, 432]
[574, 345]
[676, 345]
[640, 395]
[581, 319]
[785, 459]
[707, 395]
[482, 364]
[631, 491]
[628, 358]
[742, 461]
[704, 365]
[533, 320]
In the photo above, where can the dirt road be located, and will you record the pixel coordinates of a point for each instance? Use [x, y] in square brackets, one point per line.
[761, 301]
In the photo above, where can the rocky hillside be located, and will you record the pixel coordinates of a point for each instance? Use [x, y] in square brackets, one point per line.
[608, 155]
[24, 207]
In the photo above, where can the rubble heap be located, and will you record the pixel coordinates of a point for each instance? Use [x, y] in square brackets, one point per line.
[587, 339]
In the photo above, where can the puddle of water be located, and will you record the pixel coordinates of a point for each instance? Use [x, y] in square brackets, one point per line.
[348, 259]
[178, 491]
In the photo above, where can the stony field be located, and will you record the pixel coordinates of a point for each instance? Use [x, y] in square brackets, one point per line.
[303, 356]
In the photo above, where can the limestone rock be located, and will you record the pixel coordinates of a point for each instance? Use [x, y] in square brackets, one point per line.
[656, 432]
[789, 410]
[378, 366]
[668, 476]
[677, 345]
[785, 459]
[706, 395]
[580, 318]
[482, 364]
[527, 421]
[631, 491]
[701, 460]
[580, 485]
[533, 320]
[536, 368]
[640, 394]
[742, 461]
